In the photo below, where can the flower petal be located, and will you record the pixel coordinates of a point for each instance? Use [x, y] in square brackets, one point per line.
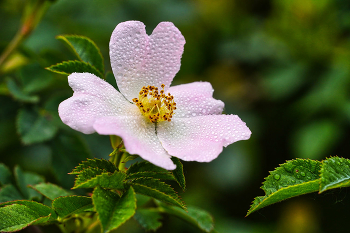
[195, 99]
[92, 98]
[201, 138]
[139, 137]
[140, 60]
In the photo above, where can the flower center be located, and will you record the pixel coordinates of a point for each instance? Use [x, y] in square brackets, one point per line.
[154, 105]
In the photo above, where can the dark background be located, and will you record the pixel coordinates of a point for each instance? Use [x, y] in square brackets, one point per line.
[282, 66]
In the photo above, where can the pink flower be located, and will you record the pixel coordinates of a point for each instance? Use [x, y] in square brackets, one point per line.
[188, 120]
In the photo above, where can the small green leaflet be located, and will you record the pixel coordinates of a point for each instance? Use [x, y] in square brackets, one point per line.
[50, 191]
[27, 178]
[179, 173]
[293, 178]
[9, 193]
[335, 173]
[85, 49]
[67, 205]
[18, 94]
[149, 219]
[69, 67]
[104, 180]
[5, 175]
[95, 163]
[113, 210]
[158, 190]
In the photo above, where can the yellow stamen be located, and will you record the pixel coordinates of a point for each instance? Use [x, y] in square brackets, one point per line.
[156, 107]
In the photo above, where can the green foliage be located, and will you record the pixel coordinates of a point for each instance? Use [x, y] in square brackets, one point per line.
[104, 180]
[18, 94]
[335, 173]
[302, 176]
[27, 178]
[34, 126]
[68, 67]
[5, 175]
[16, 217]
[179, 173]
[9, 193]
[68, 205]
[147, 169]
[195, 216]
[149, 219]
[113, 210]
[158, 190]
[95, 163]
[85, 49]
[50, 191]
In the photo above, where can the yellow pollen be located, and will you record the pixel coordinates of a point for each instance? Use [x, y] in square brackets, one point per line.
[156, 107]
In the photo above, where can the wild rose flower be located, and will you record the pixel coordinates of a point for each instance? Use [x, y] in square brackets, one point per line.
[154, 120]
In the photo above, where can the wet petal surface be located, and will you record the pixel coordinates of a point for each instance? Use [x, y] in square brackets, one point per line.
[201, 138]
[195, 99]
[139, 137]
[140, 60]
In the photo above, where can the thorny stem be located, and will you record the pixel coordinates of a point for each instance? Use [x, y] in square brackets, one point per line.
[29, 24]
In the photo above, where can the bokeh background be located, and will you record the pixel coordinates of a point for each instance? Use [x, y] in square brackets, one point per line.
[282, 66]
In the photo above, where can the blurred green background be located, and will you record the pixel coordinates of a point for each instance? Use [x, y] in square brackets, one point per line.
[282, 66]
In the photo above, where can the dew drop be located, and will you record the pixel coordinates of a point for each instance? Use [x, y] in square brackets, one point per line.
[277, 177]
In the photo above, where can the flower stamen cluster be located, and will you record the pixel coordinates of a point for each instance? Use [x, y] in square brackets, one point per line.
[155, 105]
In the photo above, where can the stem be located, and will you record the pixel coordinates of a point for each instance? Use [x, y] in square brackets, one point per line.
[29, 24]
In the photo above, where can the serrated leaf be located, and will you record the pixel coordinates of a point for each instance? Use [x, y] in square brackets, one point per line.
[50, 191]
[16, 217]
[293, 178]
[9, 193]
[95, 163]
[18, 94]
[147, 169]
[41, 209]
[34, 127]
[85, 49]
[179, 173]
[67, 152]
[194, 215]
[69, 67]
[5, 175]
[105, 180]
[113, 210]
[86, 175]
[24, 179]
[65, 206]
[158, 190]
[149, 219]
[335, 173]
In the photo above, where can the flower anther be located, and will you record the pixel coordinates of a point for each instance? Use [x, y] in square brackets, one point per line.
[154, 105]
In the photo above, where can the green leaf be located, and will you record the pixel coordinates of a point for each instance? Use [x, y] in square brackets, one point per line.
[65, 206]
[18, 94]
[50, 191]
[158, 190]
[43, 210]
[149, 219]
[35, 127]
[34, 78]
[335, 173]
[95, 163]
[16, 217]
[5, 175]
[194, 215]
[179, 173]
[104, 180]
[9, 193]
[147, 169]
[293, 178]
[27, 178]
[67, 152]
[113, 210]
[86, 175]
[85, 49]
[69, 67]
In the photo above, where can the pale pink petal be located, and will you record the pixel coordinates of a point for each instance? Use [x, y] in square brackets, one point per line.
[201, 138]
[140, 60]
[139, 137]
[92, 98]
[195, 99]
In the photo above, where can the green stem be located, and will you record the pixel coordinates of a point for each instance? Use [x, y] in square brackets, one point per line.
[29, 24]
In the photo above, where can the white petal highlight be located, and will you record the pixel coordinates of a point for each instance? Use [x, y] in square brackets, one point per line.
[140, 60]
[201, 138]
[139, 137]
[195, 99]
